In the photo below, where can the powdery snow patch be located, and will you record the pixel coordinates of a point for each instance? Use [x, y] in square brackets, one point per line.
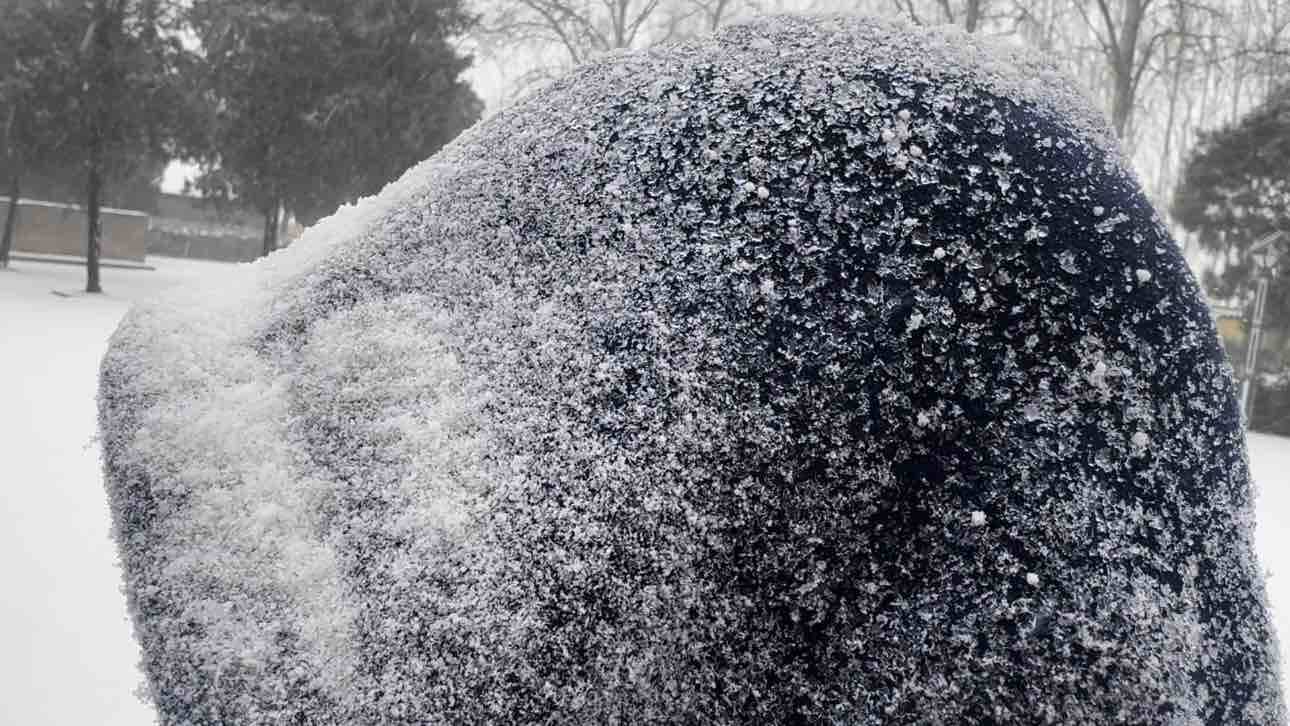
[661, 395]
[1269, 462]
[67, 652]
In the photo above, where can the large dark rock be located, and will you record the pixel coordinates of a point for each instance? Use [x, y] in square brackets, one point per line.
[825, 371]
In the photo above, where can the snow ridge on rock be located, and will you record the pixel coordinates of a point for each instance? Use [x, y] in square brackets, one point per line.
[827, 370]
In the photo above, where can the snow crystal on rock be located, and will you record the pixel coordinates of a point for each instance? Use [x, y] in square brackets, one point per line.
[659, 398]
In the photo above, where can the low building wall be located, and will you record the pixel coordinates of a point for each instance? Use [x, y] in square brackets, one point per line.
[61, 229]
[206, 244]
[210, 229]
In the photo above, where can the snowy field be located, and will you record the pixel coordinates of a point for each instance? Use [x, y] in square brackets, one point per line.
[66, 654]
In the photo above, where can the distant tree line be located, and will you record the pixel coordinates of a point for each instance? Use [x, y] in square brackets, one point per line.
[295, 106]
[290, 106]
[1165, 71]
[1159, 66]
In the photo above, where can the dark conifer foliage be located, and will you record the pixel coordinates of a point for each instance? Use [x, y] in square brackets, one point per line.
[1235, 189]
[91, 92]
[314, 104]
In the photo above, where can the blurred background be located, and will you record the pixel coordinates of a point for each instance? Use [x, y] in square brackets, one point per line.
[218, 129]
[146, 144]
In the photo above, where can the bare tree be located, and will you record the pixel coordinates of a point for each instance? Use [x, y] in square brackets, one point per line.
[581, 28]
[713, 12]
[1128, 37]
[970, 14]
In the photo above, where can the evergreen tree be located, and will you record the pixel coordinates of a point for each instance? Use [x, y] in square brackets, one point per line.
[1235, 189]
[98, 90]
[33, 87]
[130, 103]
[315, 103]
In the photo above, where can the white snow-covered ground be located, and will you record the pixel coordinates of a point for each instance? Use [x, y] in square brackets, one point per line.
[1270, 464]
[67, 656]
[66, 652]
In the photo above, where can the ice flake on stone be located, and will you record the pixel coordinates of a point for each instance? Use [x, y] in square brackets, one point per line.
[1098, 376]
[915, 322]
[1068, 263]
[1105, 226]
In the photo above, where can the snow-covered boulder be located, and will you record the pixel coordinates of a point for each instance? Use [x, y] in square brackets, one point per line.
[824, 371]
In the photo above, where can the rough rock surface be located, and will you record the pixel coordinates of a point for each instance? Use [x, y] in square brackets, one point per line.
[824, 371]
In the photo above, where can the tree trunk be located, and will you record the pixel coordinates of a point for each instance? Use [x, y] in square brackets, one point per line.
[1121, 103]
[99, 97]
[11, 219]
[1120, 46]
[15, 190]
[94, 188]
[1166, 154]
[271, 217]
[277, 223]
[972, 17]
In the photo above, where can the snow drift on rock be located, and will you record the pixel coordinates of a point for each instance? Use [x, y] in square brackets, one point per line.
[808, 373]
